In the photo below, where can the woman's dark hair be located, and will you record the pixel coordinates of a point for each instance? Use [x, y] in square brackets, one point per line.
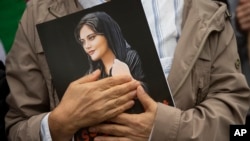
[100, 22]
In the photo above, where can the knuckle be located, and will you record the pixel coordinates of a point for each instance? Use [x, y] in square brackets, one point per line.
[111, 81]
[116, 93]
[71, 84]
[116, 103]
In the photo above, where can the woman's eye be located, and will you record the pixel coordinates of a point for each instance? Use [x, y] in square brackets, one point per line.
[92, 37]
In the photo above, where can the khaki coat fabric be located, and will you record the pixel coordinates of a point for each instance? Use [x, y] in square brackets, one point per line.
[208, 87]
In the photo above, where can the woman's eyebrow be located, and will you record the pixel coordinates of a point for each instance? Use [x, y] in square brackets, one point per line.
[91, 34]
[81, 39]
[95, 33]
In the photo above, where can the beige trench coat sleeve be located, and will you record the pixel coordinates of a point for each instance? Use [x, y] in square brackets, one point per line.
[226, 103]
[29, 97]
[32, 92]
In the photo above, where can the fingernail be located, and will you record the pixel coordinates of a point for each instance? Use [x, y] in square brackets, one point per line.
[132, 102]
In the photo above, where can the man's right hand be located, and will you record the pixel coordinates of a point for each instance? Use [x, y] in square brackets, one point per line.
[88, 102]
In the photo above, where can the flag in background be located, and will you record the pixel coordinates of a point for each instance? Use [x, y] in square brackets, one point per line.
[10, 14]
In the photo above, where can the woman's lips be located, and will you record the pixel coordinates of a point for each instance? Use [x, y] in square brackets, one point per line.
[91, 52]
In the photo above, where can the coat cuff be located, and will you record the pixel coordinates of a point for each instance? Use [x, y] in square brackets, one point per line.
[166, 123]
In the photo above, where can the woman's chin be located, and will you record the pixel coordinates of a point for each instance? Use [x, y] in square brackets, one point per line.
[94, 59]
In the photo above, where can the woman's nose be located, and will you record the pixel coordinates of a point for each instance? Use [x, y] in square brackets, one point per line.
[86, 45]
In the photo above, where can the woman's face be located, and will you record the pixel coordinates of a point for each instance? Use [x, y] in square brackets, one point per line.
[94, 44]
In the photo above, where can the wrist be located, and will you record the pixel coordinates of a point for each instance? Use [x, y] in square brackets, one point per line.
[60, 129]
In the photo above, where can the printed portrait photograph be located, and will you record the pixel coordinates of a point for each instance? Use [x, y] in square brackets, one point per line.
[113, 37]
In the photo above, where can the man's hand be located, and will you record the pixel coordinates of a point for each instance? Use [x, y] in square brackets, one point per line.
[243, 15]
[88, 102]
[130, 127]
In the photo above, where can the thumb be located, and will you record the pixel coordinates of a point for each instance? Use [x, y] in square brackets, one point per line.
[90, 77]
[147, 102]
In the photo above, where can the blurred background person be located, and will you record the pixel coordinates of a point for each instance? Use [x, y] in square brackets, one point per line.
[4, 91]
[10, 14]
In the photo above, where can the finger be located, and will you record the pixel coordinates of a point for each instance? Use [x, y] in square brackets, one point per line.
[245, 19]
[89, 78]
[109, 138]
[120, 104]
[242, 1]
[111, 129]
[241, 15]
[122, 89]
[110, 82]
[244, 23]
[243, 10]
[245, 26]
[124, 119]
[147, 102]
[123, 99]
[116, 111]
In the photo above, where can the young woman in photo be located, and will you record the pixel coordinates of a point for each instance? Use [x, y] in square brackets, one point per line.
[106, 48]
